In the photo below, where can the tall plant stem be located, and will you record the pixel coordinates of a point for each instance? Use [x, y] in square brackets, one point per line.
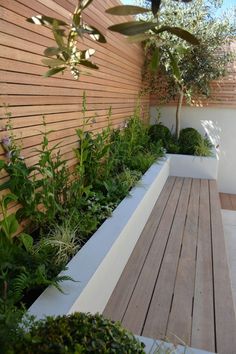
[178, 111]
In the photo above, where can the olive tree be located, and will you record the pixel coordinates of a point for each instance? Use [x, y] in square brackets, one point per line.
[177, 69]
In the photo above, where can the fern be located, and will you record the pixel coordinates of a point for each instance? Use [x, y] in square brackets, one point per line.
[22, 282]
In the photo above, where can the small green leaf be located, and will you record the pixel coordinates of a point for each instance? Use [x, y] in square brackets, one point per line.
[54, 71]
[27, 241]
[10, 225]
[2, 164]
[174, 66]
[181, 33]
[51, 51]
[7, 199]
[125, 10]
[133, 27]
[88, 64]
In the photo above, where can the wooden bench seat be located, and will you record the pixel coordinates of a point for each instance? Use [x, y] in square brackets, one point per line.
[176, 284]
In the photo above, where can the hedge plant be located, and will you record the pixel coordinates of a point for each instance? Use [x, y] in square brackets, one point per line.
[77, 333]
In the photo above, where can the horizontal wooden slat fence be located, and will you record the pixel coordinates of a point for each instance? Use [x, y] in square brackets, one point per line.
[30, 96]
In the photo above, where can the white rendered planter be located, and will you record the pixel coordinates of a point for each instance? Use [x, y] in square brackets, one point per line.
[193, 166]
[99, 264]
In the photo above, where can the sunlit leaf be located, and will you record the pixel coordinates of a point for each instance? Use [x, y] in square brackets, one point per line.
[45, 21]
[86, 54]
[125, 10]
[94, 33]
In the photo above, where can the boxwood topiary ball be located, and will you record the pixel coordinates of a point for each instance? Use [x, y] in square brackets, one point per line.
[160, 132]
[78, 333]
[189, 139]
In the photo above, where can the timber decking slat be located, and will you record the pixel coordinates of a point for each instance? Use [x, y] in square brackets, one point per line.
[180, 287]
[225, 201]
[136, 312]
[224, 307]
[158, 313]
[180, 320]
[203, 333]
[118, 302]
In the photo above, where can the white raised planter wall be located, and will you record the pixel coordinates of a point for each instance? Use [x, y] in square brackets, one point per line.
[193, 166]
[99, 264]
[220, 125]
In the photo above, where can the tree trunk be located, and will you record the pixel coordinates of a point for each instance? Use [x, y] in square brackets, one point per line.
[178, 110]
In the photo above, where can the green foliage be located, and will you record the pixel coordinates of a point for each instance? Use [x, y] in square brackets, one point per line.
[140, 30]
[188, 140]
[66, 54]
[44, 184]
[160, 132]
[182, 69]
[78, 333]
[204, 148]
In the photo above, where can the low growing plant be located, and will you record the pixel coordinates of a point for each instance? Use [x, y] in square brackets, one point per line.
[77, 333]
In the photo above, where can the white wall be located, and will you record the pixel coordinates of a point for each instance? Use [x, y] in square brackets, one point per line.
[220, 124]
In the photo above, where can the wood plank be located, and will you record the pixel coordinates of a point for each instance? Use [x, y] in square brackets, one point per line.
[139, 302]
[226, 201]
[158, 312]
[233, 201]
[180, 319]
[203, 331]
[121, 295]
[224, 307]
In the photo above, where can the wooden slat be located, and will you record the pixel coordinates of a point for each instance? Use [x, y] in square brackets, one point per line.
[139, 302]
[224, 307]
[225, 201]
[121, 295]
[180, 319]
[158, 313]
[203, 331]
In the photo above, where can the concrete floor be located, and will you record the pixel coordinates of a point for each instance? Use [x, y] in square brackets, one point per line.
[229, 222]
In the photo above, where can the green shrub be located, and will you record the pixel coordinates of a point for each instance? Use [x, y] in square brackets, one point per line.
[160, 132]
[204, 148]
[78, 333]
[189, 139]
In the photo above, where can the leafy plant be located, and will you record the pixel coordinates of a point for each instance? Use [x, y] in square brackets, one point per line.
[160, 132]
[175, 69]
[188, 140]
[78, 333]
[204, 148]
[139, 31]
[67, 54]
[64, 239]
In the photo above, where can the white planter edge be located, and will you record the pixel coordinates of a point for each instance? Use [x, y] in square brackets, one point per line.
[100, 262]
[193, 166]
